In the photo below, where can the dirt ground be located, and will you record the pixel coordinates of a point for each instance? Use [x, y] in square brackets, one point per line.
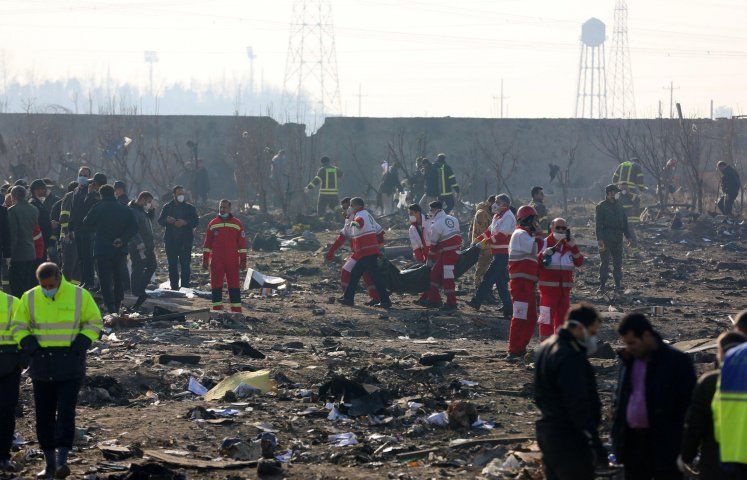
[697, 275]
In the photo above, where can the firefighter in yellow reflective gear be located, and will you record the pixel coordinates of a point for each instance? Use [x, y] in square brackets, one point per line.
[10, 379]
[54, 324]
[448, 187]
[327, 178]
[629, 179]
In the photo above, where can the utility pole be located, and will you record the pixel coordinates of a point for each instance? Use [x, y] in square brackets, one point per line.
[251, 56]
[360, 97]
[671, 98]
[151, 57]
[501, 98]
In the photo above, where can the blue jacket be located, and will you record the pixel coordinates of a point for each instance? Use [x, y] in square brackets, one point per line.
[110, 220]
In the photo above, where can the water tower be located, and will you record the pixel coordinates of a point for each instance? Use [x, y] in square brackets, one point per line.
[591, 94]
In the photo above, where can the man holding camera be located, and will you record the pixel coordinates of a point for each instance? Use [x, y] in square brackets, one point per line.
[559, 257]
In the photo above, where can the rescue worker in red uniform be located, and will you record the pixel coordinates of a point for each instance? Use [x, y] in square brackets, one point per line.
[345, 235]
[366, 242]
[224, 252]
[444, 241]
[522, 273]
[559, 256]
[419, 242]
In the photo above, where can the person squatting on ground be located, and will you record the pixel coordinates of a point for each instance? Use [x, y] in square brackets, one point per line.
[559, 257]
[566, 395]
[346, 235]
[522, 271]
[224, 252]
[497, 236]
[444, 241]
[54, 325]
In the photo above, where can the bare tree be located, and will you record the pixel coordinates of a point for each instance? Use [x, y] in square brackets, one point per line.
[501, 155]
[564, 177]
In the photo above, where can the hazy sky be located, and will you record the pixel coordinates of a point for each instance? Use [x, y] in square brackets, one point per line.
[411, 57]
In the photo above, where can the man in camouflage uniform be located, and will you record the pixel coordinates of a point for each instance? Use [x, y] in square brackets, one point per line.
[611, 226]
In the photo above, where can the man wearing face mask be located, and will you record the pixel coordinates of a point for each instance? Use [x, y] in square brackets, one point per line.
[142, 247]
[611, 226]
[366, 237]
[38, 197]
[69, 255]
[559, 257]
[522, 272]
[654, 390]
[419, 242]
[347, 268]
[54, 325]
[179, 218]
[444, 240]
[497, 236]
[566, 395]
[224, 252]
[84, 198]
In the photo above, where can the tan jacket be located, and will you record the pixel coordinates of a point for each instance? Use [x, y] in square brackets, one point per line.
[483, 216]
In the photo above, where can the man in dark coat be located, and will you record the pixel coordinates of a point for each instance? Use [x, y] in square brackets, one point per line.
[142, 246]
[179, 218]
[113, 225]
[4, 248]
[84, 198]
[653, 393]
[38, 197]
[120, 191]
[729, 185]
[566, 394]
[698, 434]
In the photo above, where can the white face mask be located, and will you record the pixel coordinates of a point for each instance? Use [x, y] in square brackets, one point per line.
[349, 211]
[495, 208]
[41, 199]
[148, 206]
[617, 196]
[180, 198]
[591, 342]
[413, 219]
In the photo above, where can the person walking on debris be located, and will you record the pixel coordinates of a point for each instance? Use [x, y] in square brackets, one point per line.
[416, 182]
[366, 242]
[448, 187]
[431, 178]
[497, 236]
[84, 198]
[418, 231]
[729, 186]
[224, 253]
[653, 393]
[68, 252]
[522, 272]
[566, 395]
[328, 180]
[55, 324]
[22, 219]
[444, 240]
[559, 257]
[389, 186]
[179, 218]
[481, 222]
[611, 225]
[347, 268]
[730, 412]
[113, 225]
[698, 436]
[538, 203]
[628, 177]
[10, 380]
[142, 247]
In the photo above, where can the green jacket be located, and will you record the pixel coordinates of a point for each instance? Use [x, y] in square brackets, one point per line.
[612, 222]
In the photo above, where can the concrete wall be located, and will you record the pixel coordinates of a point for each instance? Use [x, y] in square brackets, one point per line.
[157, 157]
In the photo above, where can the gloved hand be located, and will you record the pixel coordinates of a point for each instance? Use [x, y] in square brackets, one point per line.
[29, 346]
[80, 344]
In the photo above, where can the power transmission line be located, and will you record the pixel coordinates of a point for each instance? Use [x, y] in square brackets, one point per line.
[623, 95]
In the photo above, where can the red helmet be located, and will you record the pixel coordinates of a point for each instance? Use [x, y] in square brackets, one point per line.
[525, 211]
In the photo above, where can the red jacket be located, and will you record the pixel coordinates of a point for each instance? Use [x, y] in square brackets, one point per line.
[522, 256]
[417, 233]
[38, 243]
[366, 236]
[499, 233]
[225, 240]
[559, 274]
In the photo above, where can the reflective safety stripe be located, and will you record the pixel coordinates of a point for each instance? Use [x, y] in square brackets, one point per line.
[7, 337]
[560, 267]
[207, 250]
[523, 275]
[219, 225]
[64, 334]
[543, 283]
[516, 257]
[64, 212]
[243, 250]
[37, 236]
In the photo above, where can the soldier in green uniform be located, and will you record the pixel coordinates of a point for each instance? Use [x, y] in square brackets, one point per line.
[612, 225]
[327, 178]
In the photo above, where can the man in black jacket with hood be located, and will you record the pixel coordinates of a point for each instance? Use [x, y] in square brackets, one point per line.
[566, 394]
[653, 393]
